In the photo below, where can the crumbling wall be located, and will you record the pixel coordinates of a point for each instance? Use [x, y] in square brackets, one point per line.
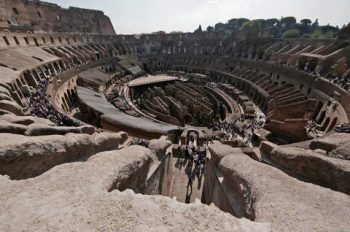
[24, 15]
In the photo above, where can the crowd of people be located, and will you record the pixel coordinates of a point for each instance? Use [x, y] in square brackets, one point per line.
[311, 126]
[231, 130]
[343, 82]
[197, 157]
[39, 105]
[228, 128]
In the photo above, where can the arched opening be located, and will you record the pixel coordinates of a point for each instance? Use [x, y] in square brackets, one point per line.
[312, 65]
[63, 105]
[68, 101]
[333, 124]
[6, 40]
[309, 91]
[61, 65]
[16, 40]
[321, 118]
[36, 76]
[26, 40]
[29, 79]
[19, 83]
[35, 41]
[317, 110]
[302, 63]
[56, 67]
[325, 125]
[15, 11]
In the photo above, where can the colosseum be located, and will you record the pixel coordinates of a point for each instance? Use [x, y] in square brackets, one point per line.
[202, 131]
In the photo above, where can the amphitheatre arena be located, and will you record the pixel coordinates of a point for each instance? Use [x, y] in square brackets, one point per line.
[200, 131]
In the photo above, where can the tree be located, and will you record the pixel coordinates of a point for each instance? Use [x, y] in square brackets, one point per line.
[220, 27]
[271, 22]
[305, 36]
[236, 24]
[254, 24]
[306, 22]
[288, 22]
[276, 32]
[329, 28]
[317, 34]
[315, 24]
[304, 27]
[210, 29]
[199, 29]
[291, 34]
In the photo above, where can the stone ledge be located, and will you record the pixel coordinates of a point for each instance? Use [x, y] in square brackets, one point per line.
[266, 194]
[330, 172]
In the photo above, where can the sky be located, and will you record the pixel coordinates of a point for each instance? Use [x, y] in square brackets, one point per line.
[146, 16]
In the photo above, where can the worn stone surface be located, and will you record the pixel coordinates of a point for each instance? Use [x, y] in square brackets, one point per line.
[75, 197]
[90, 130]
[5, 91]
[253, 153]
[26, 120]
[109, 141]
[40, 130]
[6, 127]
[4, 96]
[331, 172]
[11, 107]
[330, 142]
[34, 126]
[266, 194]
[219, 151]
[159, 146]
[28, 156]
[4, 112]
[341, 152]
[266, 147]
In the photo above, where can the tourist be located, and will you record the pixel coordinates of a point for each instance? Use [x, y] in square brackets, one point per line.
[190, 152]
[196, 160]
[40, 106]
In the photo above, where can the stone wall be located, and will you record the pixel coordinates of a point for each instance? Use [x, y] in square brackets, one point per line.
[244, 187]
[158, 182]
[24, 15]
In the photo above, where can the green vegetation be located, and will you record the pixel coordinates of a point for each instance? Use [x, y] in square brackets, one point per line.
[286, 27]
[291, 34]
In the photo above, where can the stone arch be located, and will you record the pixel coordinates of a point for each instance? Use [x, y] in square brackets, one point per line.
[317, 110]
[53, 69]
[63, 105]
[19, 83]
[61, 65]
[66, 97]
[56, 67]
[333, 124]
[36, 42]
[36, 76]
[312, 65]
[325, 124]
[321, 117]
[29, 79]
[23, 81]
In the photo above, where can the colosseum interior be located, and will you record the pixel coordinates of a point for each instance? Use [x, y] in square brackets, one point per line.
[198, 131]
